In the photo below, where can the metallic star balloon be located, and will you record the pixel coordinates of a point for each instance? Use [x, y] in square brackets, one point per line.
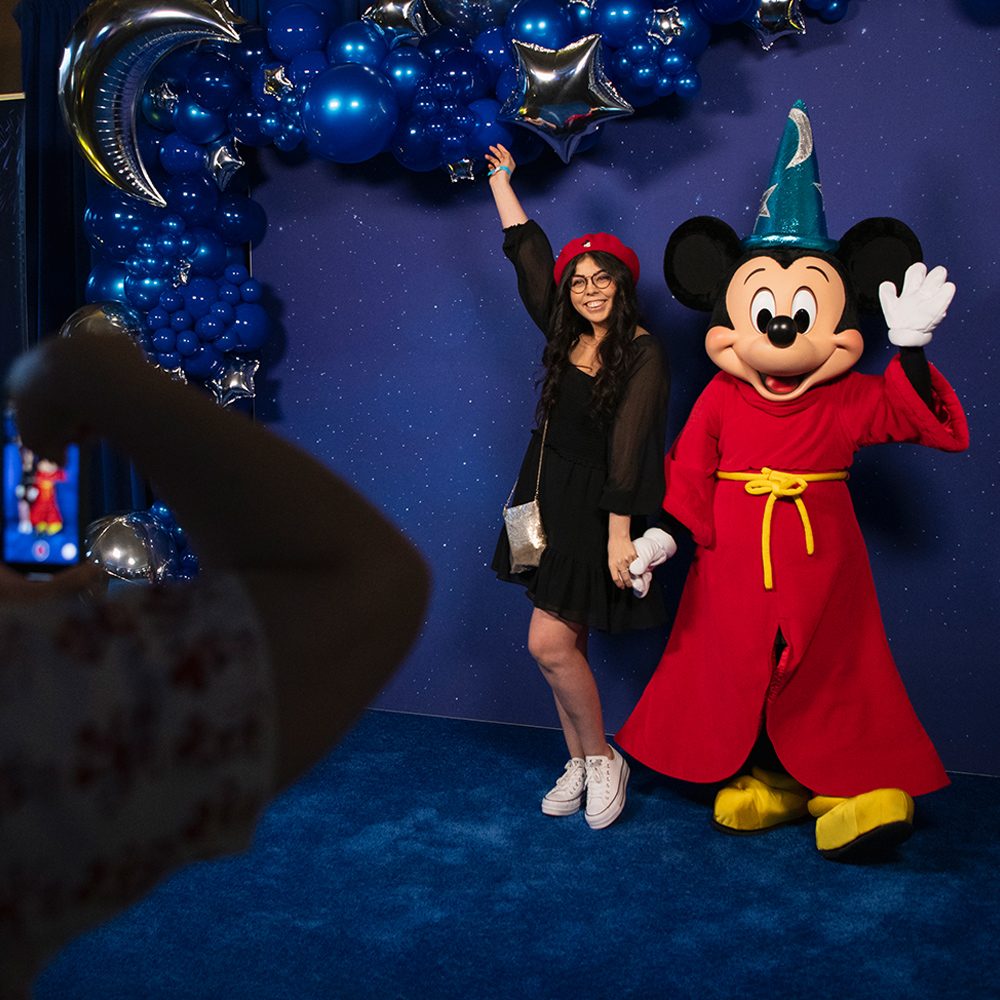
[461, 170]
[777, 18]
[235, 382]
[563, 95]
[665, 25]
[111, 51]
[401, 21]
[276, 82]
[223, 162]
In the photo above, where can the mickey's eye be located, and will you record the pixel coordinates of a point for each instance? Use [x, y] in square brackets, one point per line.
[804, 310]
[762, 309]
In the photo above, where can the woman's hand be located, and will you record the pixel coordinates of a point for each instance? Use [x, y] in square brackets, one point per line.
[621, 552]
[497, 157]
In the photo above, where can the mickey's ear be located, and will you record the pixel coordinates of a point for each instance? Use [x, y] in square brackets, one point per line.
[699, 254]
[874, 251]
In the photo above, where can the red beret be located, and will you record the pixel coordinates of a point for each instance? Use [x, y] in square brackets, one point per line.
[601, 242]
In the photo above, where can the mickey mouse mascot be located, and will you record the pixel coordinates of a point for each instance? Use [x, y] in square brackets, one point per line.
[778, 670]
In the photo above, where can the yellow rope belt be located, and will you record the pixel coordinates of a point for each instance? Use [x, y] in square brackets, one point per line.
[780, 486]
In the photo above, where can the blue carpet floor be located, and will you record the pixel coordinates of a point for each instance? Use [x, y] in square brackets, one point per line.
[414, 863]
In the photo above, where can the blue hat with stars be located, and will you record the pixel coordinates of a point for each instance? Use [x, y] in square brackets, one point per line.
[791, 209]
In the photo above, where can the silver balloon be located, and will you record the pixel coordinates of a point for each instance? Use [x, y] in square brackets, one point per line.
[665, 25]
[462, 170]
[108, 58]
[131, 547]
[472, 16]
[99, 316]
[563, 94]
[235, 382]
[401, 21]
[224, 161]
[777, 18]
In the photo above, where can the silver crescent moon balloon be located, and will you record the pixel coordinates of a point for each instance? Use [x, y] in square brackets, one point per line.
[112, 49]
[98, 317]
[131, 547]
[805, 147]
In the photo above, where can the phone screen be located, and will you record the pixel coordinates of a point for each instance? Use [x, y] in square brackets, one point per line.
[41, 506]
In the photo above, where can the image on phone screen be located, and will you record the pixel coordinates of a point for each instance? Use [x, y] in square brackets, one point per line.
[41, 506]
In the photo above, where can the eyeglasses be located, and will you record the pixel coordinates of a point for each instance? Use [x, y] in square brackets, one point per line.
[601, 280]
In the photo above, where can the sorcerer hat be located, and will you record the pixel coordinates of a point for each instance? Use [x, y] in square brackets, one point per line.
[791, 209]
[599, 243]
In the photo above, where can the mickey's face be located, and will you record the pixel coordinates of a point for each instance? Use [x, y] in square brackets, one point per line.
[784, 338]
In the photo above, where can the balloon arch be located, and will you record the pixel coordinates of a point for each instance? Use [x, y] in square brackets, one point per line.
[161, 94]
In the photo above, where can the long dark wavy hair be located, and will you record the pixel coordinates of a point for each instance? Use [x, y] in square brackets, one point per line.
[566, 327]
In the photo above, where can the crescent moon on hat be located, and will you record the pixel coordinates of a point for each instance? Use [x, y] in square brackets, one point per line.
[805, 147]
[110, 53]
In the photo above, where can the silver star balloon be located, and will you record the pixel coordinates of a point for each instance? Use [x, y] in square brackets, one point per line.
[180, 273]
[401, 21]
[461, 170]
[276, 82]
[665, 25]
[563, 95]
[236, 381]
[164, 98]
[224, 161]
[777, 18]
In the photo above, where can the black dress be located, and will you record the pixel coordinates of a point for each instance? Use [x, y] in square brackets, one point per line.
[588, 469]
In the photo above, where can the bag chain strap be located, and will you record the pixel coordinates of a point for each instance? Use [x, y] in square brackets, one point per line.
[538, 478]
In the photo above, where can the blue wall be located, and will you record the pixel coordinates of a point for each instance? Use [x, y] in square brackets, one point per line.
[407, 363]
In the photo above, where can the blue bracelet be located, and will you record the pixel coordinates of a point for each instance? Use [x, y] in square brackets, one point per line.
[490, 173]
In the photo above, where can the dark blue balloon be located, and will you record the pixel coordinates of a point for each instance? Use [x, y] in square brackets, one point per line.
[466, 74]
[252, 49]
[194, 198]
[215, 81]
[209, 327]
[357, 42]
[209, 254]
[251, 290]
[236, 274]
[226, 341]
[172, 224]
[171, 300]
[156, 113]
[113, 224]
[494, 49]
[329, 9]
[106, 283]
[688, 84]
[295, 29]
[488, 130]
[199, 295]
[506, 84]
[239, 219]
[229, 294]
[673, 62]
[164, 338]
[541, 22]
[181, 320]
[618, 20]
[305, 66]
[157, 317]
[406, 68]
[696, 32]
[250, 325]
[223, 311]
[196, 122]
[349, 113]
[244, 119]
[143, 291]
[204, 363]
[581, 16]
[437, 43]
[726, 11]
[169, 360]
[187, 343]
[833, 11]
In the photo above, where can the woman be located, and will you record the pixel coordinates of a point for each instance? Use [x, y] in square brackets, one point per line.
[602, 410]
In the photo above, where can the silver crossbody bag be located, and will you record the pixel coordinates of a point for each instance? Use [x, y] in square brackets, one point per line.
[525, 532]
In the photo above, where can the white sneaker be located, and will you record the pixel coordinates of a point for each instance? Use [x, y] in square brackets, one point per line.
[566, 797]
[606, 781]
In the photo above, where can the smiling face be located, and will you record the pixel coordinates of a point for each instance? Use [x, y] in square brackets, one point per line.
[784, 338]
[592, 291]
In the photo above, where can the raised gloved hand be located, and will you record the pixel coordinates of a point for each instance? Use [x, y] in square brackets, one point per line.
[653, 549]
[912, 315]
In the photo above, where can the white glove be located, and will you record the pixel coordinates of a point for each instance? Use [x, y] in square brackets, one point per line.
[912, 315]
[653, 549]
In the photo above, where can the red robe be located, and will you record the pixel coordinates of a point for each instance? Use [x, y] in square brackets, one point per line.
[834, 706]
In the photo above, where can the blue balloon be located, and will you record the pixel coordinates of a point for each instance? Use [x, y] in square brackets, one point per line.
[415, 148]
[143, 291]
[204, 363]
[239, 219]
[194, 198]
[106, 283]
[163, 339]
[465, 74]
[215, 81]
[305, 66]
[171, 300]
[196, 122]
[506, 85]
[179, 155]
[541, 22]
[357, 42]
[252, 49]
[295, 29]
[251, 290]
[223, 311]
[199, 294]
[329, 9]
[169, 360]
[726, 11]
[440, 42]
[489, 130]
[493, 48]
[696, 32]
[618, 20]
[581, 16]
[688, 84]
[209, 327]
[181, 320]
[113, 223]
[250, 325]
[229, 294]
[833, 11]
[406, 68]
[156, 113]
[236, 274]
[349, 113]
[157, 317]
[187, 343]
[209, 254]
[245, 121]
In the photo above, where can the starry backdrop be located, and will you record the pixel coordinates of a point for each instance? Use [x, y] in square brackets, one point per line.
[405, 360]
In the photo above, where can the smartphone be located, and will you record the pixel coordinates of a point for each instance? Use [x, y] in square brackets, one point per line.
[42, 518]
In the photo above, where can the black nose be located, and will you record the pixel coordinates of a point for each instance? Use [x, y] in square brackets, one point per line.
[781, 331]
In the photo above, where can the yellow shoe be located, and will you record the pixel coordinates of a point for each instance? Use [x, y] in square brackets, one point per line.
[758, 802]
[863, 827]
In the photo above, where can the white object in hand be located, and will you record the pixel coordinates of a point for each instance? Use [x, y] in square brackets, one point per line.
[913, 314]
[653, 549]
